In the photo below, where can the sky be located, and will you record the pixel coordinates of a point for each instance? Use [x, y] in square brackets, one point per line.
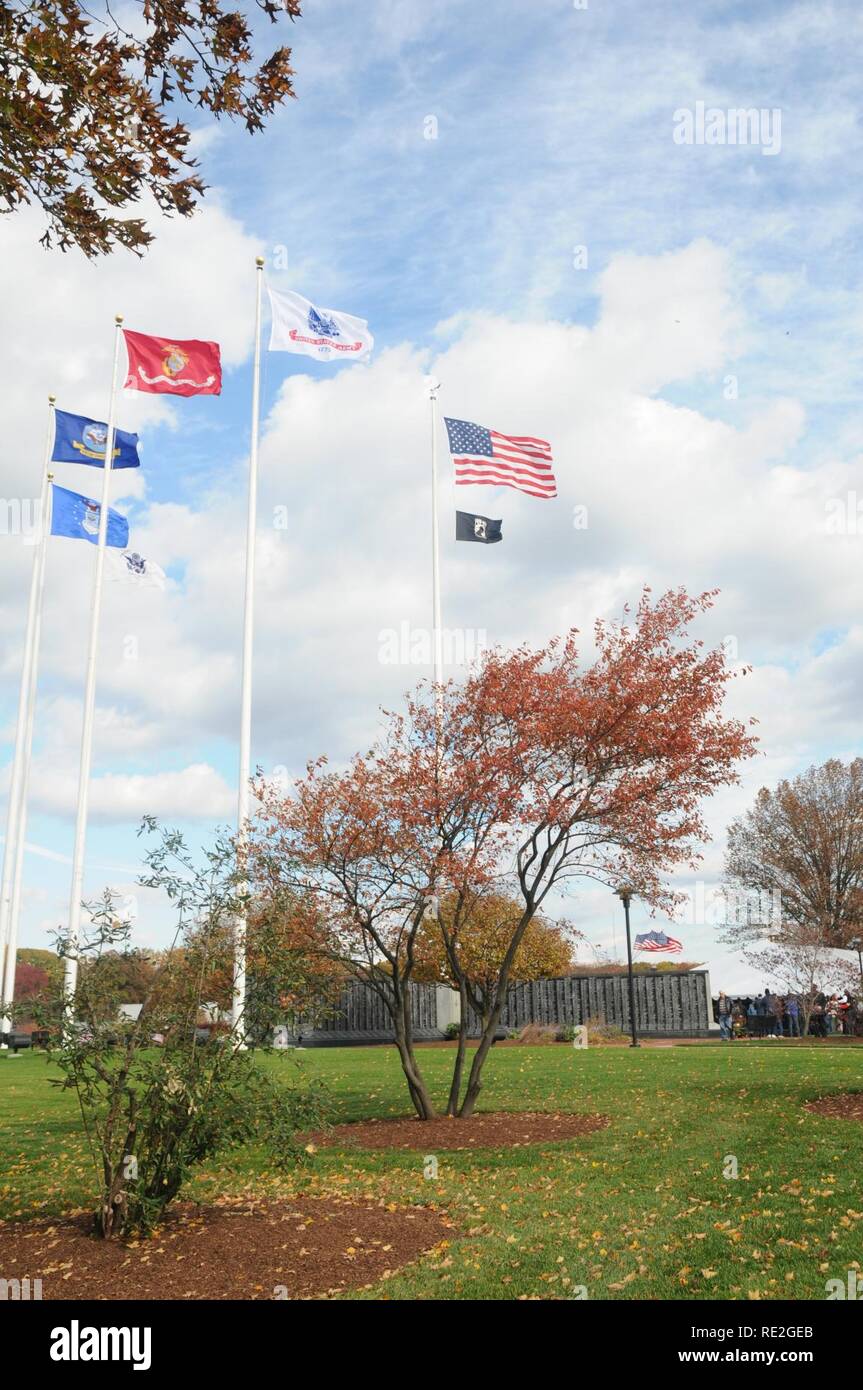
[522, 202]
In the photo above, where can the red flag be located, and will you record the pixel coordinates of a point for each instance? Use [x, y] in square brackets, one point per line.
[178, 367]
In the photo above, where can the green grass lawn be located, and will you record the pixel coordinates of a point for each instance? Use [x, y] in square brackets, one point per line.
[639, 1210]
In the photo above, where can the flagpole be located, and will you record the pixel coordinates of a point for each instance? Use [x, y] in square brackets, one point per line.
[436, 607]
[77, 890]
[8, 982]
[244, 790]
[14, 832]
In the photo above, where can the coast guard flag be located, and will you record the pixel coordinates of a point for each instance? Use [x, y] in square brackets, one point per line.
[477, 528]
[300, 326]
[173, 366]
[657, 941]
[80, 440]
[128, 567]
[78, 517]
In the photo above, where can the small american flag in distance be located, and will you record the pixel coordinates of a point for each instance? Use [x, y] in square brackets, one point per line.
[486, 458]
[657, 941]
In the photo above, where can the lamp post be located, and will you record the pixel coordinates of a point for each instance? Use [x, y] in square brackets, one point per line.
[626, 896]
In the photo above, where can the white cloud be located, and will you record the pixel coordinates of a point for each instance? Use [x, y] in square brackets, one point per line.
[675, 495]
[195, 793]
[60, 311]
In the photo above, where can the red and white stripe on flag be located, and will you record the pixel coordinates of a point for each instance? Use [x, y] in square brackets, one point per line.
[486, 458]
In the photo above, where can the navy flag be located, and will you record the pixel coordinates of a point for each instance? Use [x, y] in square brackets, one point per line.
[79, 440]
[477, 528]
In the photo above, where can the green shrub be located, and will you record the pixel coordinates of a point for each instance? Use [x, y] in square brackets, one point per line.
[155, 1099]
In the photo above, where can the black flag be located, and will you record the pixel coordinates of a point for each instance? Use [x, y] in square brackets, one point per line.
[477, 528]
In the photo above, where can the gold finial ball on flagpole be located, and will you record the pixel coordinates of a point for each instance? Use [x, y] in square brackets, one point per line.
[52, 400]
[118, 319]
[259, 262]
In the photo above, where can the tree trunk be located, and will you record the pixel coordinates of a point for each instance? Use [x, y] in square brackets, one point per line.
[111, 1216]
[458, 1068]
[491, 1020]
[419, 1093]
[474, 1083]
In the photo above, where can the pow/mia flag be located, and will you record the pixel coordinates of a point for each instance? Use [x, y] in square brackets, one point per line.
[477, 528]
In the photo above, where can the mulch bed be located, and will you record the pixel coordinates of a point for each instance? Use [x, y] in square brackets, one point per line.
[301, 1249]
[847, 1105]
[498, 1130]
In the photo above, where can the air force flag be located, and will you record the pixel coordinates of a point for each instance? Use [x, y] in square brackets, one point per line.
[79, 440]
[477, 528]
[327, 334]
[78, 517]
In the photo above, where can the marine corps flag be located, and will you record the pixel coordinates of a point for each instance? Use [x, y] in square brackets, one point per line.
[477, 528]
[174, 366]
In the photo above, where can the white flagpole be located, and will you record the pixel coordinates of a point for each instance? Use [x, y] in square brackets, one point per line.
[75, 904]
[8, 982]
[13, 832]
[244, 791]
[437, 633]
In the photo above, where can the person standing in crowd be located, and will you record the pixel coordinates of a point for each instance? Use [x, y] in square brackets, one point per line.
[726, 1013]
[830, 1011]
[792, 1014]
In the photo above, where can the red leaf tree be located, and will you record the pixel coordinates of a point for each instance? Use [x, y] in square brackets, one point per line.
[538, 770]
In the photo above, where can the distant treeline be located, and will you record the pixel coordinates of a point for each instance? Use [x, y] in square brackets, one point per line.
[644, 967]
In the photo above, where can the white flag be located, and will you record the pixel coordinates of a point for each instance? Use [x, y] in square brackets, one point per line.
[128, 567]
[327, 334]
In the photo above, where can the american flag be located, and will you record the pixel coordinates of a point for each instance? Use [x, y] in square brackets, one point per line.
[657, 941]
[489, 459]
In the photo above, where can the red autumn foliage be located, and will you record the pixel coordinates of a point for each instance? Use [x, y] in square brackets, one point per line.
[535, 771]
[95, 102]
[31, 982]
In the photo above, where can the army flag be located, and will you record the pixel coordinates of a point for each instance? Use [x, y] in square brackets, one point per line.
[172, 366]
[78, 439]
[483, 529]
[327, 334]
[128, 567]
[78, 518]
